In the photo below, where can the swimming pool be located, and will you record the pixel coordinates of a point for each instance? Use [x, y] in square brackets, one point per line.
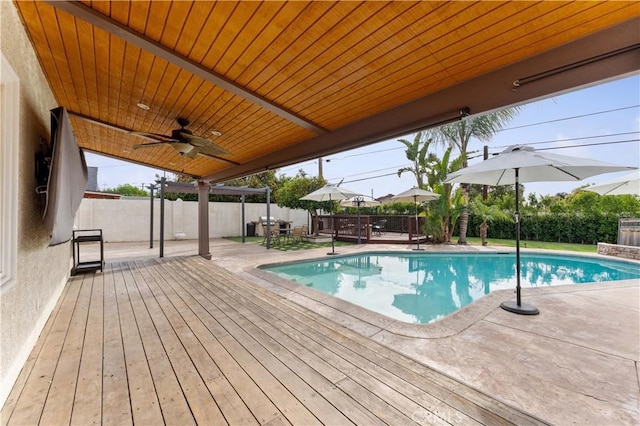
[422, 288]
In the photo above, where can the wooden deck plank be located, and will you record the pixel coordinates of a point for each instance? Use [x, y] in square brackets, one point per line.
[87, 403]
[289, 370]
[315, 371]
[145, 408]
[209, 333]
[116, 402]
[233, 408]
[59, 404]
[185, 341]
[168, 390]
[26, 399]
[445, 389]
[200, 401]
[292, 408]
[403, 396]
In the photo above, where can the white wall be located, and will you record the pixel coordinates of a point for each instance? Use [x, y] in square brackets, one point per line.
[42, 271]
[129, 219]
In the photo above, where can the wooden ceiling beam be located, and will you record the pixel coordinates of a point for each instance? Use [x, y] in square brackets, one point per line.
[87, 14]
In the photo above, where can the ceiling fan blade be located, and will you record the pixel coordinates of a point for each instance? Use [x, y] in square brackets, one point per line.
[201, 142]
[213, 149]
[191, 153]
[215, 157]
[154, 136]
[151, 144]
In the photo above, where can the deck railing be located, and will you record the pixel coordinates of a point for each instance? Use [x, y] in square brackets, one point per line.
[371, 226]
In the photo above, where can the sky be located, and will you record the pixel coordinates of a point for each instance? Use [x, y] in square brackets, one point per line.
[600, 122]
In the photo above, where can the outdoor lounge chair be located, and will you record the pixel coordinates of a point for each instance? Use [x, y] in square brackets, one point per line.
[379, 226]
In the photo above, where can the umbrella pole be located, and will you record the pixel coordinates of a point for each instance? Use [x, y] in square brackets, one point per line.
[518, 307]
[333, 250]
[415, 202]
[359, 240]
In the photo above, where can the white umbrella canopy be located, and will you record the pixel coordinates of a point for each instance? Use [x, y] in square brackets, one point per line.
[534, 166]
[627, 184]
[359, 202]
[330, 192]
[518, 164]
[415, 195]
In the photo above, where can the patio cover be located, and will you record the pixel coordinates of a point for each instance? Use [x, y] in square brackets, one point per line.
[285, 82]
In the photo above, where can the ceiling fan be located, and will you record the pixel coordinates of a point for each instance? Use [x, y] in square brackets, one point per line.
[184, 142]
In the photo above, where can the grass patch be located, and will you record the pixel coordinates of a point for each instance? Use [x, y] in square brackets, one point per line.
[584, 248]
[290, 245]
[307, 245]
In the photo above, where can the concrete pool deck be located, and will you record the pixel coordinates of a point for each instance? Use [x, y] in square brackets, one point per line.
[575, 363]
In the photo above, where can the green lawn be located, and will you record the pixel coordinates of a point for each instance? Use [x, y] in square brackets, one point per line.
[291, 245]
[305, 245]
[586, 248]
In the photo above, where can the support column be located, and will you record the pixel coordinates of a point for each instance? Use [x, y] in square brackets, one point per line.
[203, 220]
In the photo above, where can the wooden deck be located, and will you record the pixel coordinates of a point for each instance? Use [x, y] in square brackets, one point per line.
[182, 341]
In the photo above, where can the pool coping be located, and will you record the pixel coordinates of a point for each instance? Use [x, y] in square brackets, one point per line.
[369, 323]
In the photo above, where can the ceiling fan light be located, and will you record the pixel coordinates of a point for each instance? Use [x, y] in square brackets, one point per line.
[182, 148]
[216, 133]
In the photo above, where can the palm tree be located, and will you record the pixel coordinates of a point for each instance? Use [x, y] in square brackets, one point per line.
[459, 134]
[445, 210]
[418, 153]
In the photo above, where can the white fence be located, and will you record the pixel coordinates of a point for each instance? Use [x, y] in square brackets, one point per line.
[129, 219]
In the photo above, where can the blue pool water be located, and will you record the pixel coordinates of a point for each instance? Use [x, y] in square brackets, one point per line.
[422, 288]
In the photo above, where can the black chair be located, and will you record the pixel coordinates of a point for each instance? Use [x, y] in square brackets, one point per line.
[379, 226]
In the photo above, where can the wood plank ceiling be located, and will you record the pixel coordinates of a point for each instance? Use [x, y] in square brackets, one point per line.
[288, 81]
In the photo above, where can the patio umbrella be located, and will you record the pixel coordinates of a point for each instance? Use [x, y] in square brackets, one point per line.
[518, 164]
[627, 184]
[330, 192]
[359, 201]
[416, 195]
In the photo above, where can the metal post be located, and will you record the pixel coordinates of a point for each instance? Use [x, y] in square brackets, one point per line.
[151, 187]
[518, 307]
[268, 236]
[485, 188]
[203, 219]
[415, 201]
[333, 248]
[163, 181]
[243, 232]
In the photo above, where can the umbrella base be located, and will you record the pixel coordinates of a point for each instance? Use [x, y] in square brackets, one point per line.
[522, 309]
[331, 253]
[418, 249]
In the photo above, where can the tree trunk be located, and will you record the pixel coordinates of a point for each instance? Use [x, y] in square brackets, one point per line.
[464, 217]
[483, 233]
[314, 223]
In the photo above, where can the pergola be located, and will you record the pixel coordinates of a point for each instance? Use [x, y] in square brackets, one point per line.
[203, 190]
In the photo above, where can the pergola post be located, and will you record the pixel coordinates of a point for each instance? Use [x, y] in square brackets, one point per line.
[203, 220]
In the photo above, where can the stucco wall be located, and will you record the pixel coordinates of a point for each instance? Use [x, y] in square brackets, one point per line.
[42, 271]
[128, 220]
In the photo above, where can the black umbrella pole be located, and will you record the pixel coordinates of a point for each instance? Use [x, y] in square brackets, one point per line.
[518, 307]
[415, 202]
[333, 250]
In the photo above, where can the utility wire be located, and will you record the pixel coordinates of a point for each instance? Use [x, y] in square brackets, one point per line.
[478, 156]
[570, 118]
